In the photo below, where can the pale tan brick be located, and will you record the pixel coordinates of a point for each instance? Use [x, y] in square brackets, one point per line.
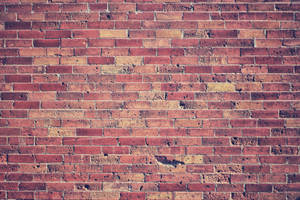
[168, 33]
[220, 87]
[73, 60]
[113, 33]
[54, 132]
[129, 60]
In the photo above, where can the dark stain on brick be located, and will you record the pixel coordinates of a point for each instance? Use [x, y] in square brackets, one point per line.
[165, 161]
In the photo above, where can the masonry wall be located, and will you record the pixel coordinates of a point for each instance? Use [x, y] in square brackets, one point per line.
[138, 99]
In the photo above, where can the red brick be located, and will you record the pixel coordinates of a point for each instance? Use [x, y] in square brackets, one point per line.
[227, 150]
[45, 7]
[17, 78]
[23, 195]
[46, 43]
[149, 7]
[17, 25]
[98, 6]
[101, 60]
[20, 159]
[13, 96]
[16, 61]
[59, 69]
[74, 7]
[100, 25]
[9, 52]
[58, 34]
[202, 187]
[73, 43]
[200, 168]
[258, 188]
[26, 87]
[157, 60]
[31, 34]
[89, 132]
[132, 195]
[171, 187]
[198, 69]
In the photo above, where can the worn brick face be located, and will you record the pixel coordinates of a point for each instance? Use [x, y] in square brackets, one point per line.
[150, 100]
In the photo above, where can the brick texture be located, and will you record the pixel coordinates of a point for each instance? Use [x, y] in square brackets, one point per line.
[144, 100]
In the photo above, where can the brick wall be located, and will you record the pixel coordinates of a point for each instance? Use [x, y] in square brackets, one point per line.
[137, 99]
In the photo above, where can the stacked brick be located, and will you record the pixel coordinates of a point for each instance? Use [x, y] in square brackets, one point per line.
[137, 99]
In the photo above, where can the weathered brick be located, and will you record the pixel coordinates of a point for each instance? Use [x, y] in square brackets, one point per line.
[113, 33]
[220, 87]
[164, 33]
[128, 60]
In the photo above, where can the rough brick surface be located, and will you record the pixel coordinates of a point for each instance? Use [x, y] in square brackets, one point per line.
[141, 99]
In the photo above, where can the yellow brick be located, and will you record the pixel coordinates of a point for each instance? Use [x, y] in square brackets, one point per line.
[113, 33]
[54, 132]
[188, 195]
[171, 169]
[229, 168]
[128, 60]
[156, 43]
[104, 195]
[166, 105]
[293, 123]
[296, 105]
[116, 187]
[220, 87]
[249, 105]
[70, 114]
[210, 24]
[201, 34]
[132, 177]
[98, 159]
[128, 123]
[33, 168]
[104, 123]
[60, 52]
[73, 60]
[249, 86]
[6, 87]
[251, 34]
[39, 96]
[41, 114]
[231, 114]
[81, 87]
[188, 123]
[3, 159]
[159, 195]
[168, 33]
[110, 69]
[138, 105]
[213, 178]
[140, 150]
[31, 17]
[193, 159]
[46, 61]
[152, 95]
[168, 16]
[212, 60]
